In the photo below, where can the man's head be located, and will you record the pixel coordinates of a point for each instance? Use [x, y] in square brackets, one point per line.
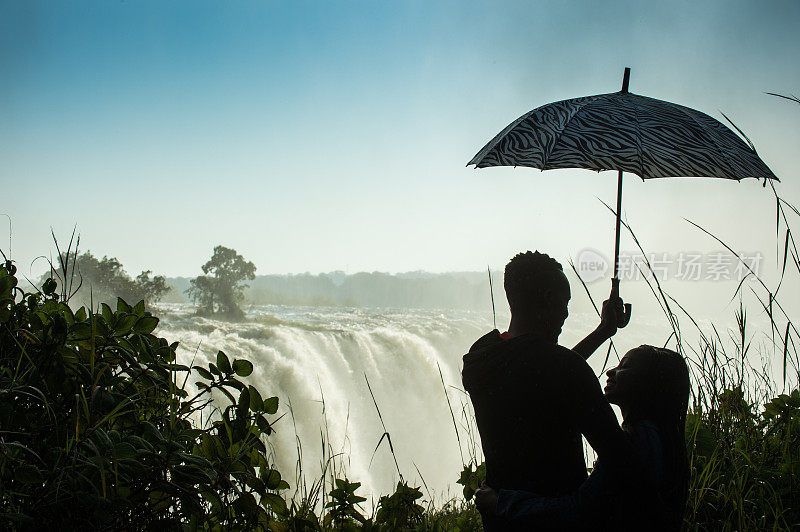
[537, 291]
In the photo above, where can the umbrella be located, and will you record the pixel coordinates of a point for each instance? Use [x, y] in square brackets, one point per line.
[625, 132]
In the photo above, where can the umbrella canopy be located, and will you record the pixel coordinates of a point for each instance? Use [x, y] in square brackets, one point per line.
[627, 132]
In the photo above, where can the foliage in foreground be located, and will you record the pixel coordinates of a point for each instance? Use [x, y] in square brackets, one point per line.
[745, 464]
[99, 432]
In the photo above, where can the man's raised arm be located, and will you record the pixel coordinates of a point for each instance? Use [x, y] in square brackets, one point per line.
[609, 317]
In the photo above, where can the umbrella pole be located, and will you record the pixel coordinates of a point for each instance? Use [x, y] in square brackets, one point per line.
[626, 77]
[619, 222]
[625, 309]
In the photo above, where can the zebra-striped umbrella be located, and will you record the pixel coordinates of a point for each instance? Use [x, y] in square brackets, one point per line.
[624, 132]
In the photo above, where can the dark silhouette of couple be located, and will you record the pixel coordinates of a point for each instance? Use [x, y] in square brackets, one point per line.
[533, 399]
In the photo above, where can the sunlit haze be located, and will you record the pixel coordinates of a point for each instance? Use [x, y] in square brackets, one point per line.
[318, 136]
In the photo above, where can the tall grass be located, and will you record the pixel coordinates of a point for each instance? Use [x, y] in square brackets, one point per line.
[743, 427]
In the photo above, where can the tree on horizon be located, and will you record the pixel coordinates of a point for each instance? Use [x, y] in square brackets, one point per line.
[221, 288]
[104, 280]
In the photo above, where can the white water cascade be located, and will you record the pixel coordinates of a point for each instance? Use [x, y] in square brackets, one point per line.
[310, 355]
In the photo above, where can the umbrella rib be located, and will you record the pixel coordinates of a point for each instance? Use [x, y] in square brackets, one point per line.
[731, 168]
[638, 137]
[578, 109]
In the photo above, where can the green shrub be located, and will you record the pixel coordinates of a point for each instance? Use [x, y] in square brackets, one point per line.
[745, 465]
[98, 431]
[400, 510]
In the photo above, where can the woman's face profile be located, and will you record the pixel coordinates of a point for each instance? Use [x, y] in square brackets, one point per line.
[623, 380]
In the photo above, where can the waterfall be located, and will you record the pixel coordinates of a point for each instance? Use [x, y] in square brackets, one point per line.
[317, 361]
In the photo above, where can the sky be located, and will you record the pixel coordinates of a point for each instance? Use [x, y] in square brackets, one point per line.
[320, 136]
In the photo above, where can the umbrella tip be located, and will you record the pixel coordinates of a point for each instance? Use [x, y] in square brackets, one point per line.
[625, 79]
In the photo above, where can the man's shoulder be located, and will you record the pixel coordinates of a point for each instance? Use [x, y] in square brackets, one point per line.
[549, 351]
[488, 340]
[565, 365]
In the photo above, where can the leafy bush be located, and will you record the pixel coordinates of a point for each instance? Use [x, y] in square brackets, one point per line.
[400, 510]
[745, 464]
[99, 431]
[472, 479]
[343, 513]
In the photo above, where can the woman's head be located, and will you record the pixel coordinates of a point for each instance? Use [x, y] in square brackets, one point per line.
[649, 382]
[652, 384]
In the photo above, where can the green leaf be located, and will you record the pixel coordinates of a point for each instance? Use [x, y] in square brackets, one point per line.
[107, 313]
[81, 330]
[160, 500]
[271, 405]
[256, 402]
[124, 451]
[123, 307]
[28, 474]
[145, 324]
[204, 373]
[233, 383]
[80, 315]
[125, 323]
[189, 475]
[69, 316]
[272, 478]
[264, 425]
[49, 286]
[223, 363]
[255, 483]
[101, 326]
[246, 504]
[138, 309]
[244, 403]
[243, 368]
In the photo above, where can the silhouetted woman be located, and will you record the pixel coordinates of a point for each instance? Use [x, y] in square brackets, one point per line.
[651, 387]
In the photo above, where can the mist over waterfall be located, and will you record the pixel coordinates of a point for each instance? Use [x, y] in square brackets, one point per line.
[315, 360]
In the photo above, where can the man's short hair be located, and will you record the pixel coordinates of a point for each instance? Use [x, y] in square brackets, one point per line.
[530, 277]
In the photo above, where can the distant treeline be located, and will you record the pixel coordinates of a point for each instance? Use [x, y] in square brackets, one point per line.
[461, 290]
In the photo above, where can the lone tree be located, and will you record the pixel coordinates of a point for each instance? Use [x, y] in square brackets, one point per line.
[221, 289]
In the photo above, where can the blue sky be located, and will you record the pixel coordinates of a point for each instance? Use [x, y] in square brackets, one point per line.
[315, 136]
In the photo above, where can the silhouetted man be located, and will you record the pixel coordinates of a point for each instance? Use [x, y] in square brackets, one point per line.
[533, 398]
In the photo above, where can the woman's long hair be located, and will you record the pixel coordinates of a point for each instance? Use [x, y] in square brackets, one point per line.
[664, 398]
